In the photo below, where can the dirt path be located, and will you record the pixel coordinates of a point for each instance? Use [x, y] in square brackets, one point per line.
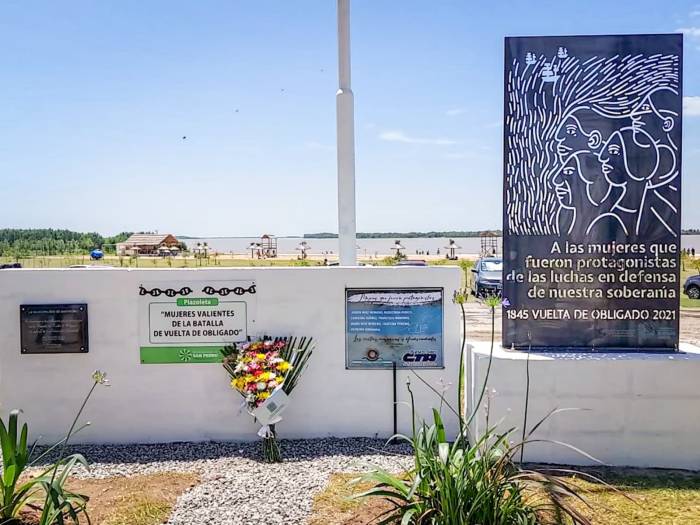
[479, 323]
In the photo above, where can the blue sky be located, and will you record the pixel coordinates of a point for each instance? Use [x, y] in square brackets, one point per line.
[96, 97]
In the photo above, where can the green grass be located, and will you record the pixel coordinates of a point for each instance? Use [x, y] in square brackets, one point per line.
[686, 302]
[141, 513]
[689, 303]
[647, 497]
[659, 498]
[152, 262]
[64, 261]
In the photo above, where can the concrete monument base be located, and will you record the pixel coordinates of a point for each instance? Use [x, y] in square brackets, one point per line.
[637, 409]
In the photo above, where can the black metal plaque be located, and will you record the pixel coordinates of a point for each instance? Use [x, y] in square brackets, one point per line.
[592, 192]
[53, 328]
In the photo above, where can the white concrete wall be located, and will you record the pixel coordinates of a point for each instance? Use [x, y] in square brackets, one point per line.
[641, 409]
[175, 402]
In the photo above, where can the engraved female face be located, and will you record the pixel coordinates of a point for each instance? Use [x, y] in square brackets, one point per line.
[571, 138]
[612, 159]
[566, 181]
[630, 155]
[649, 114]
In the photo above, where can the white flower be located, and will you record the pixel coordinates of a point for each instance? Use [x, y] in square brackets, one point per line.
[98, 376]
[262, 385]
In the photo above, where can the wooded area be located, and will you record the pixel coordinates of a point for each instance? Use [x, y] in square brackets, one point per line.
[24, 243]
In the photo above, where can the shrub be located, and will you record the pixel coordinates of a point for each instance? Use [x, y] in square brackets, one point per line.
[473, 481]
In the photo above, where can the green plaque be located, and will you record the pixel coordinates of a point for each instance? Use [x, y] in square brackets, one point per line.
[152, 355]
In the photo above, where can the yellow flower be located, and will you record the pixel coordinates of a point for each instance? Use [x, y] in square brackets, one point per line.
[283, 366]
[263, 395]
[260, 356]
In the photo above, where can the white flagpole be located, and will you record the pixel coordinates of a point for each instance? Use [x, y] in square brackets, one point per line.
[346, 143]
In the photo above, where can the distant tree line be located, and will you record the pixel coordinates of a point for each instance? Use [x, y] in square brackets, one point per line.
[407, 235]
[25, 243]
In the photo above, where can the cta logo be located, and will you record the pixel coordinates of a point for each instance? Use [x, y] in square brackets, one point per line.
[420, 357]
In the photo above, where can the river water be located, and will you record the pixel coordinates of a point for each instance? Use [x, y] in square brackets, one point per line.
[370, 247]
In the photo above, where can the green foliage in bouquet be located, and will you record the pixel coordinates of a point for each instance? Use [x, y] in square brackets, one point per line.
[260, 368]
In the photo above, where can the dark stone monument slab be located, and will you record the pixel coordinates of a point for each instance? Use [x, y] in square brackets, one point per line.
[592, 192]
[53, 328]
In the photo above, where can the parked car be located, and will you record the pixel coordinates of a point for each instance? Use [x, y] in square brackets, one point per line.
[412, 262]
[10, 266]
[487, 276]
[691, 287]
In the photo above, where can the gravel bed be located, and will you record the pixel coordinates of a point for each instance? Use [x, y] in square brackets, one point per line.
[236, 486]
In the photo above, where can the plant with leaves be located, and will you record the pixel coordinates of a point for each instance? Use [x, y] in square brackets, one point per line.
[60, 505]
[493, 302]
[460, 297]
[259, 368]
[15, 459]
[474, 481]
[457, 483]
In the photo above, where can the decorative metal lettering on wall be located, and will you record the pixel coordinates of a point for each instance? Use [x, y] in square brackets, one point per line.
[394, 325]
[177, 326]
[53, 328]
[592, 185]
[224, 291]
[186, 290]
[168, 292]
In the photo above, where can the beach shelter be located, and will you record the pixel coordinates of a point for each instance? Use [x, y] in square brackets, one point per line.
[303, 247]
[452, 249]
[398, 247]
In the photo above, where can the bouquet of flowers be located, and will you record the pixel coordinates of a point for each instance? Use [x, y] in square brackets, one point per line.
[265, 372]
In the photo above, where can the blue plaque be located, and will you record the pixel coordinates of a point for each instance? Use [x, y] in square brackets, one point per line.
[390, 326]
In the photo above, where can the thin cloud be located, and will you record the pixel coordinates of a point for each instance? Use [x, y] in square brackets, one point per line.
[691, 106]
[460, 156]
[455, 111]
[695, 13]
[693, 32]
[494, 124]
[400, 136]
[312, 144]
